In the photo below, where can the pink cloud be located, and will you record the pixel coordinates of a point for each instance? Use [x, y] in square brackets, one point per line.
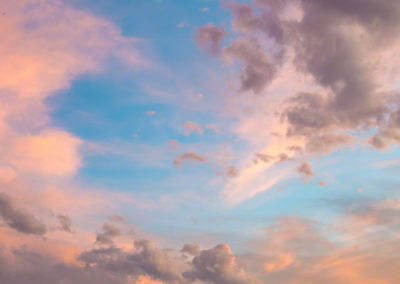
[191, 126]
[51, 152]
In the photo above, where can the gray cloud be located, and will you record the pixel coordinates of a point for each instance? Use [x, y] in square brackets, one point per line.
[18, 219]
[145, 260]
[209, 37]
[257, 70]
[191, 249]
[348, 47]
[65, 223]
[218, 266]
[294, 250]
[109, 231]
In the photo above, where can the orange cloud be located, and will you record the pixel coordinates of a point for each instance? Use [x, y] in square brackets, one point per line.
[144, 279]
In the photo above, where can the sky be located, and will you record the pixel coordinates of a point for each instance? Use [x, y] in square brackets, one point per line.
[199, 141]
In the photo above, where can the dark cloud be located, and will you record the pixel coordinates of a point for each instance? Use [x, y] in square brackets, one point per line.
[146, 259]
[18, 219]
[189, 156]
[156, 262]
[65, 223]
[294, 250]
[36, 268]
[345, 61]
[209, 37]
[257, 70]
[109, 231]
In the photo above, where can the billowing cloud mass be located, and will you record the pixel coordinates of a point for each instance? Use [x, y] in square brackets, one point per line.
[18, 219]
[217, 265]
[293, 250]
[327, 74]
[353, 61]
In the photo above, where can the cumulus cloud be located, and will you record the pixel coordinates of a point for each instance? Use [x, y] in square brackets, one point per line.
[217, 265]
[292, 250]
[188, 157]
[146, 259]
[18, 219]
[352, 61]
[209, 37]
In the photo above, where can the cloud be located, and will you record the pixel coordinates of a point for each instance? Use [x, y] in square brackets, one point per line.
[65, 223]
[189, 156]
[146, 259]
[143, 279]
[257, 70]
[51, 152]
[45, 40]
[325, 78]
[352, 64]
[191, 249]
[305, 169]
[109, 231]
[191, 126]
[18, 219]
[209, 38]
[292, 250]
[218, 266]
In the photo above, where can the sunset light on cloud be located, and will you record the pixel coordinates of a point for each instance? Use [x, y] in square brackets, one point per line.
[199, 141]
